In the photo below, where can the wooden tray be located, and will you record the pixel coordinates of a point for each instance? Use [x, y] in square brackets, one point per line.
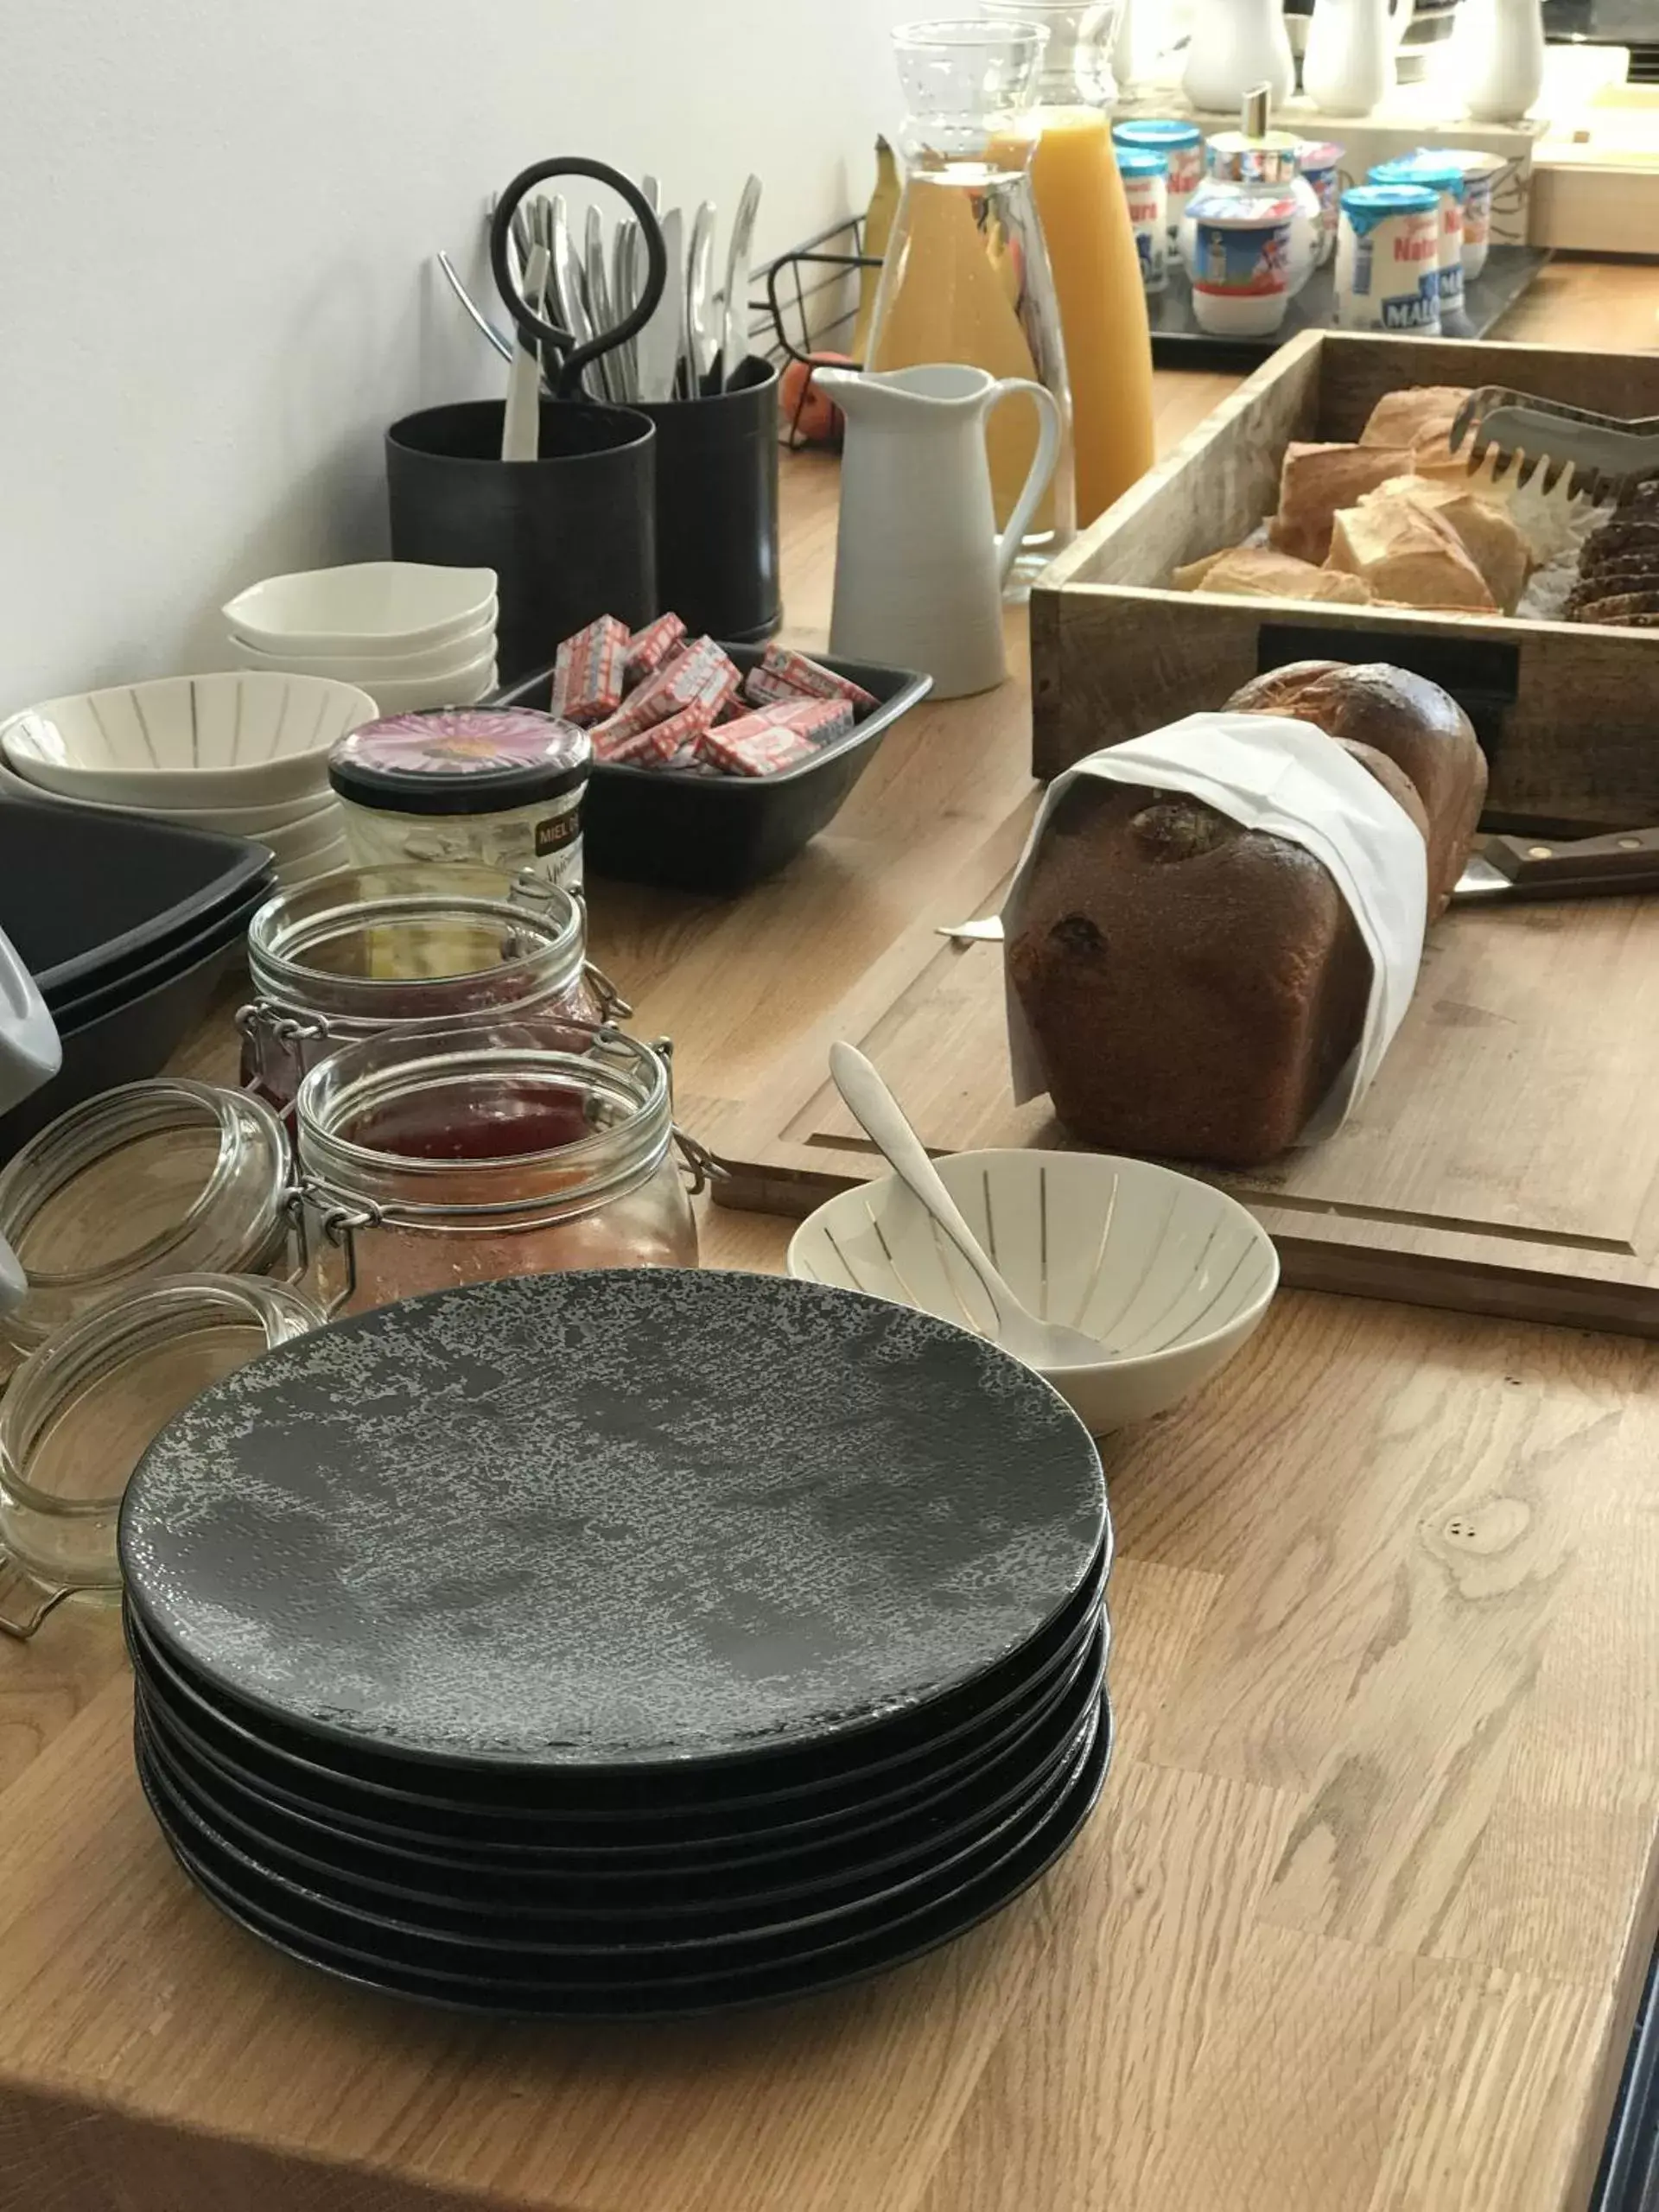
[1506, 1160]
[1568, 713]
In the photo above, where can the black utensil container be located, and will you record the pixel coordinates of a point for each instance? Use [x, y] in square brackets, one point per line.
[717, 507]
[571, 536]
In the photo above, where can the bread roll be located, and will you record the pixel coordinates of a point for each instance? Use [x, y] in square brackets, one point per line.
[1316, 480]
[1257, 572]
[1420, 418]
[1418, 726]
[1488, 533]
[1407, 555]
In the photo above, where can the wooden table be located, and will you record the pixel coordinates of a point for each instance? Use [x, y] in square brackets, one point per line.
[1359, 1926]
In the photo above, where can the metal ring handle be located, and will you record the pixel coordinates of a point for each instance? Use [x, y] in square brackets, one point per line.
[574, 358]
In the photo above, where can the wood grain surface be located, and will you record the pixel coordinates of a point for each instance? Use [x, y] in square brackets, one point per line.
[1459, 1182]
[1360, 1924]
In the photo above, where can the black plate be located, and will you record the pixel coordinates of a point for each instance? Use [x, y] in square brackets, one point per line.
[632, 1518]
[908, 1936]
[654, 1907]
[722, 833]
[570, 1941]
[651, 1839]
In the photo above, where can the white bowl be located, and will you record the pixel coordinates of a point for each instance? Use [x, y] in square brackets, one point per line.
[205, 742]
[326, 860]
[257, 822]
[371, 607]
[1171, 1275]
[462, 689]
[303, 839]
[363, 668]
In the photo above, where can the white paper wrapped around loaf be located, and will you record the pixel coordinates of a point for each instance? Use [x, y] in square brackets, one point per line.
[1273, 774]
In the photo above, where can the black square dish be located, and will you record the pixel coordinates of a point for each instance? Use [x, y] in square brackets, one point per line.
[722, 833]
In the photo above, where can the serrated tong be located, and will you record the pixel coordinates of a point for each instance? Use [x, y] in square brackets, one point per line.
[1604, 455]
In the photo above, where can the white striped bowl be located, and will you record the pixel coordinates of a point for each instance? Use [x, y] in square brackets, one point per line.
[1170, 1275]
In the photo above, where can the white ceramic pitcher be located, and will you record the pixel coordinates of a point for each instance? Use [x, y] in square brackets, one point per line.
[919, 567]
[1349, 68]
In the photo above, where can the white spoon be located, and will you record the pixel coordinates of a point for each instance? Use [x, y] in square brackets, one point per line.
[1039, 1344]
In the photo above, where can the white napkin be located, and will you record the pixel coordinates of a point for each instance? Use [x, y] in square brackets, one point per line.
[1269, 771]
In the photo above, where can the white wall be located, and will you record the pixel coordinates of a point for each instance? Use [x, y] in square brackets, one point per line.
[217, 219]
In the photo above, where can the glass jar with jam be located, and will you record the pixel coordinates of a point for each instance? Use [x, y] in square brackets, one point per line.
[354, 954]
[469, 1151]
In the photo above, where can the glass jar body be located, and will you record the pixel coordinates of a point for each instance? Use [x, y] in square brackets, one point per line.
[440, 1157]
[374, 948]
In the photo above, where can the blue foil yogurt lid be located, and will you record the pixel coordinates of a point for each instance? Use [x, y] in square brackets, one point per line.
[1441, 172]
[1367, 205]
[1157, 134]
[1141, 160]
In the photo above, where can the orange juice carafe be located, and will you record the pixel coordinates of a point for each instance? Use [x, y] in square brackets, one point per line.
[1085, 218]
[966, 278]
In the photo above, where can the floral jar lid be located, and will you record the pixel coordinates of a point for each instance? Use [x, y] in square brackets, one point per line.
[460, 761]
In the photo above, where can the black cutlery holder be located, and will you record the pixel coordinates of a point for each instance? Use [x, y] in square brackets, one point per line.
[717, 507]
[570, 536]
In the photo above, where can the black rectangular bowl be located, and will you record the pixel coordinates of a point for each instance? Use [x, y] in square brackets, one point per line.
[721, 833]
[88, 896]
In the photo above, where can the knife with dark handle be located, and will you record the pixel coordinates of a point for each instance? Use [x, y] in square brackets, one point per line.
[1551, 868]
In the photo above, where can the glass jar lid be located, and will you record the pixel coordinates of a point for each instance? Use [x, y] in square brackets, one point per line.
[83, 1408]
[433, 1127]
[408, 943]
[460, 761]
[167, 1177]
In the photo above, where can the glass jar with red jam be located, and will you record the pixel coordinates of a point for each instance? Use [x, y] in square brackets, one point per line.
[465, 1153]
[368, 949]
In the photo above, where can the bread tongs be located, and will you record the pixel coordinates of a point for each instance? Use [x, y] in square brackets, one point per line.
[1604, 455]
[1499, 867]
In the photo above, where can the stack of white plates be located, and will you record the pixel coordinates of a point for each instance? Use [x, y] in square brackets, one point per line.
[244, 755]
[411, 636]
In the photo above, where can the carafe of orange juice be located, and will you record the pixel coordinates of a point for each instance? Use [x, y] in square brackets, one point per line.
[1085, 218]
[966, 278]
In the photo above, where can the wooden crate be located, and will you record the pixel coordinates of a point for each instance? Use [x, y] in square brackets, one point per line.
[1568, 713]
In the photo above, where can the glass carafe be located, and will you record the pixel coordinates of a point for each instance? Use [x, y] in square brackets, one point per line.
[966, 278]
[1085, 218]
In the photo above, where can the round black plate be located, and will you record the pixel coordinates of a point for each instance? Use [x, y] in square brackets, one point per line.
[909, 1936]
[592, 1520]
[565, 1908]
[648, 1809]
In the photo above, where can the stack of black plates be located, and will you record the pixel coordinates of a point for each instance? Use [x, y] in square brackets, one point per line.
[622, 1643]
[127, 925]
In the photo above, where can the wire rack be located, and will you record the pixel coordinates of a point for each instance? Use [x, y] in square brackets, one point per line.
[805, 301]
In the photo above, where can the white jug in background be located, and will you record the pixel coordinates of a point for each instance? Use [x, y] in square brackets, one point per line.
[1498, 58]
[919, 567]
[1237, 45]
[1349, 68]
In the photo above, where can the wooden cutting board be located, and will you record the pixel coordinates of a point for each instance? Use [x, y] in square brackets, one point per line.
[1505, 1162]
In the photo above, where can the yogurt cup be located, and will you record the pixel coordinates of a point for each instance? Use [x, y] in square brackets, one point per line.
[1389, 258]
[1321, 164]
[1443, 173]
[1240, 259]
[1181, 145]
[1479, 176]
[1146, 185]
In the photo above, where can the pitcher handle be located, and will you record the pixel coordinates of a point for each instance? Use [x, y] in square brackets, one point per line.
[1042, 468]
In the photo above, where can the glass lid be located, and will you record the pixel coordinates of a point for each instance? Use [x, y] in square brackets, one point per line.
[158, 1178]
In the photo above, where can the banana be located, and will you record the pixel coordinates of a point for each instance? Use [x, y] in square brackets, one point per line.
[877, 230]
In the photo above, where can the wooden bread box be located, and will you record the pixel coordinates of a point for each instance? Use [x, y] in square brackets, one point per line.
[1568, 713]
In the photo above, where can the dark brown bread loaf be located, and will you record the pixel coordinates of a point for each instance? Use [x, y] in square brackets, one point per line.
[1419, 727]
[1193, 987]
[1624, 610]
